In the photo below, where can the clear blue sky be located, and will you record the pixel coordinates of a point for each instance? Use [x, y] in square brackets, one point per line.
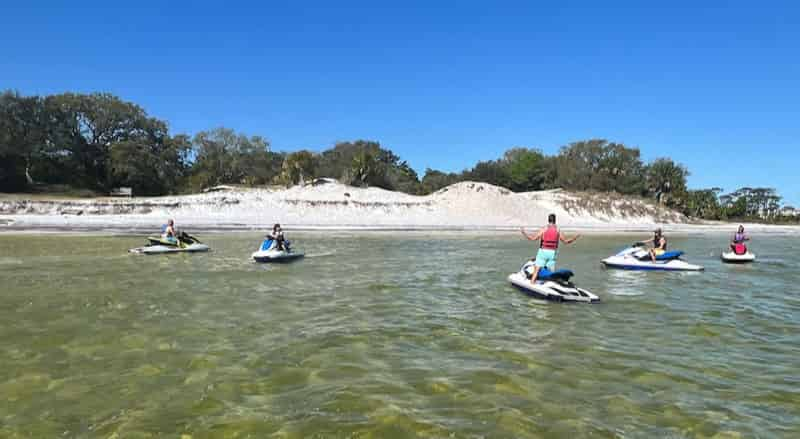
[716, 87]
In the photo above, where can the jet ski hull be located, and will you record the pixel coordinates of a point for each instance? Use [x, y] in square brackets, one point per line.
[276, 257]
[168, 249]
[637, 258]
[629, 263]
[551, 290]
[733, 258]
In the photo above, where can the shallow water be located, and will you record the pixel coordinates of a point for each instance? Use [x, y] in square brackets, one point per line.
[372, 336]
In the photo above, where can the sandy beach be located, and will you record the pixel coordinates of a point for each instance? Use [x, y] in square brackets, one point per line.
[329, 205]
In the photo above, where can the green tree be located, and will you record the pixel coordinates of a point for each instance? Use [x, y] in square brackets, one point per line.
[434, 180]
[402, 177]
[366, 163]
[620, 170]
[599, 165]
[82, 140]
[298, 167]
[578, 163]
[492, 171]
[666, 181]
[525, 168]
[99, 121]
[365, 170]
[151, 168]
[337, 161]
[21, 139]
[703, 203]
[224, 157]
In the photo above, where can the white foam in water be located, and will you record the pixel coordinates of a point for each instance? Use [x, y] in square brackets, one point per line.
[626, 283]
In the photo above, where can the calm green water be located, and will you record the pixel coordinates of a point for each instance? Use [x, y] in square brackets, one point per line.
[376, 337]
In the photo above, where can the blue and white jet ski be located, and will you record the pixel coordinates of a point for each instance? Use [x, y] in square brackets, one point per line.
[550, 285]
[269, 252]
[637, 257]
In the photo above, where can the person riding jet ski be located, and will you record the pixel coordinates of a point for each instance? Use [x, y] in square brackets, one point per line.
[168, 232]
[277, 236]
[276, 248]
[171, 241]
[738, 242]
[659, 245]
[549, 237]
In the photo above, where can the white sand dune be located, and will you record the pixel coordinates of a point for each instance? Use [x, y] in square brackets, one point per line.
[465, 205]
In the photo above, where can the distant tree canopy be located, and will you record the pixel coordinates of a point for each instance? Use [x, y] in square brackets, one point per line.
[746, 203]
[95, 141]
[223, 157]
[600, 166]
[298, 167]
[366, 163]
[98, 141]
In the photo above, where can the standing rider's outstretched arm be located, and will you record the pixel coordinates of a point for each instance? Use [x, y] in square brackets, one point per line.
[531, 237]
[563, 238]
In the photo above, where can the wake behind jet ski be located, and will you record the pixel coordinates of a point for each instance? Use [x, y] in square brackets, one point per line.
[637, 257]
[550, 285]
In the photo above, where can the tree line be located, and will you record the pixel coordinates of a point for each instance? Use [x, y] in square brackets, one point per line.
[98, 141]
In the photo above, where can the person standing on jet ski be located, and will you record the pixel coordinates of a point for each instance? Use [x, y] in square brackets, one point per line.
[277, 236]
[659, 245]
[548, 246]
[738, 239]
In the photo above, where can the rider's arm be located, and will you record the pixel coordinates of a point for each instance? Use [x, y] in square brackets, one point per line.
[535, 237]
[566, 240]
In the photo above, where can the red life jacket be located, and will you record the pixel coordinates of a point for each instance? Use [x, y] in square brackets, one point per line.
[550, 238]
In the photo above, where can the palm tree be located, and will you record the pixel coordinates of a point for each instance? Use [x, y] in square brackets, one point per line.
[666, 180]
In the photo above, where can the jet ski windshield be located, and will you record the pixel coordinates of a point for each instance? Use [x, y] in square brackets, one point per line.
[271, 244]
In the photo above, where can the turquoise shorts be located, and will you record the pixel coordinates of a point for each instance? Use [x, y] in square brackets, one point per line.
[546, 258]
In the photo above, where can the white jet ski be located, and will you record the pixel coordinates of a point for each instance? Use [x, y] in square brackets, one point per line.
[269, 252]
[638, 258]
[739, 255]
[550, 285]
[184, 244]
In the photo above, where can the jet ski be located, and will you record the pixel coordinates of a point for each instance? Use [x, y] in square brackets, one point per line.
[637, 257]
[185, 243]
[550, 285]
[269, 252]
[739, 254]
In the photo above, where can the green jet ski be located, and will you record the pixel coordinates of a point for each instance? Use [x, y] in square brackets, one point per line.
[184, 243]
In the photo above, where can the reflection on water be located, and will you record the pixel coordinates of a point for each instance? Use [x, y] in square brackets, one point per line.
[626, 283]
[390, 335]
